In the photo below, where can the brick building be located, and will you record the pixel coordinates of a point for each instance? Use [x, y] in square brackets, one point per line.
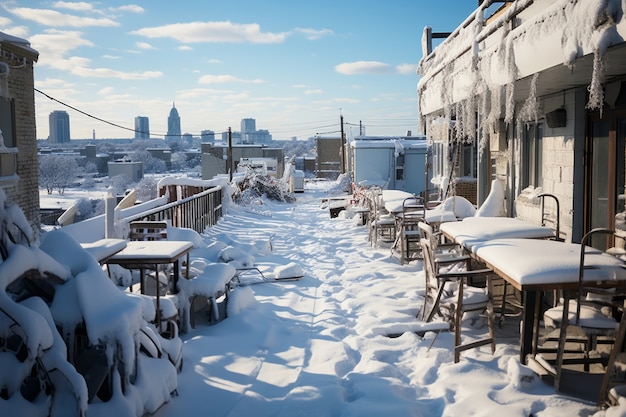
[19, 171]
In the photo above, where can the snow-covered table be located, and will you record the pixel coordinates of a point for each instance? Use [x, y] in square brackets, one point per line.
[534, 266]
[393, 199]
[144, 255]
[473, 230]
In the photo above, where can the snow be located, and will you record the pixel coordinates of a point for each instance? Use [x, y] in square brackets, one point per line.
[341, 341]
[474, 70]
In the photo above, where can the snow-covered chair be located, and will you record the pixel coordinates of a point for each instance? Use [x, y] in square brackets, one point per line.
[586, 316]
[449, 295]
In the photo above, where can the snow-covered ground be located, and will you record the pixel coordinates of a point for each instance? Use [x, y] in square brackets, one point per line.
[321, 345]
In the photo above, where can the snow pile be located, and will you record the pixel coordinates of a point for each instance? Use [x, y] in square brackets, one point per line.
[493, 206]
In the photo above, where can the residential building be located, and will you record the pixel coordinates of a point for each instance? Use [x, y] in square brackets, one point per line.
[173, 124]
[132, 170]
[59, 122]
[216, 161]
[142, 127]
[396, 163]
[19, 170]
[532, 94]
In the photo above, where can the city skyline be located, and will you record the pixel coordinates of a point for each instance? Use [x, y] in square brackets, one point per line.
[223, 61]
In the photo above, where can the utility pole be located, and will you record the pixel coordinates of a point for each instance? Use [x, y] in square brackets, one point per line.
[230, 154]
[343, 145]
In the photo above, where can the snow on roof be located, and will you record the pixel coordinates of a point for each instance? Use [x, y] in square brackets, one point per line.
[14, 40]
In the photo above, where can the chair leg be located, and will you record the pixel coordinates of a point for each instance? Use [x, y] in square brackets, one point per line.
[458, 316]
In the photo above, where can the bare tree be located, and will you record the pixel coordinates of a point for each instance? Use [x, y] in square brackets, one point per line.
[57, 172]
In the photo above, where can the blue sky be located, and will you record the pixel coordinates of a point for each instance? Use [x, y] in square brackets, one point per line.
[294, 66]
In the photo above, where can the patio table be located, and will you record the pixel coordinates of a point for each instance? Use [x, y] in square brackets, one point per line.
[147, 254]
[534, 266]
[393, 199]
[473, 230]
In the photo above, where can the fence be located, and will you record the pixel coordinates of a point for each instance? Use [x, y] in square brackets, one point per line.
[196, 212]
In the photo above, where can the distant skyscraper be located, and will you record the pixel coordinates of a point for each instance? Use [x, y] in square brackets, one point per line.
[59, 122]
[142, 127]
[173, 124]
[248, 127]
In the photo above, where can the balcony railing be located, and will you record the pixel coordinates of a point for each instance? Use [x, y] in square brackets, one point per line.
[196, 212]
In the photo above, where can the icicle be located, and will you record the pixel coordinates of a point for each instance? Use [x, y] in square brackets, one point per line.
[596, 93]
[530, 109]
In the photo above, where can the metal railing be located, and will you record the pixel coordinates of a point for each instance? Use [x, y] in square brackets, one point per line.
[196, 212]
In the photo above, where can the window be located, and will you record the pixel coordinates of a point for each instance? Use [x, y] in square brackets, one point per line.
[400, 167]
[8, 152]
[532, 155]
[468, 160]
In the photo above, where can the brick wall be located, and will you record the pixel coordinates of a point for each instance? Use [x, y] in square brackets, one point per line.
[23, 189]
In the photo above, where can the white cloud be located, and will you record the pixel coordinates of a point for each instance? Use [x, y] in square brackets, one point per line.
[144, 45]
[18, 31]
[224, 79]
[133, 8]
[55, 45]
[314, 91]
[214, 61]
[111, 56]
[314, 34]
[53, 18]
[212, 32]
[185, 48]
[363, 67]
[105, 91]
[76, 6]
[407, 69]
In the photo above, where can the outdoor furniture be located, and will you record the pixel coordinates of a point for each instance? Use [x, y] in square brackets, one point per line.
[449, 296]
[143, 255]
[582, 308]
[407, 231]
[381, 222]
[533, 266]
[473, 230]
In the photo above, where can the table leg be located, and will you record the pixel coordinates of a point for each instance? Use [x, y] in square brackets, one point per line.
[527, 330]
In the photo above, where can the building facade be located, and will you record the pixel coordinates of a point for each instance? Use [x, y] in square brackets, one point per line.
[142, 127]
[534, 96]
[19, 170]
[59, 122]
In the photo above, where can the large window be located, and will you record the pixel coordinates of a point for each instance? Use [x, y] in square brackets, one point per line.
[532, 155]
[8, 149]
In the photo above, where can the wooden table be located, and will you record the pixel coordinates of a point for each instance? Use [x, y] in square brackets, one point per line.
[534, 266]
[144, 255]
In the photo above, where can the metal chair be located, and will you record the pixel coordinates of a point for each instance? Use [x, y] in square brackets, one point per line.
[449, 296]
[588, 309]
[408, 234]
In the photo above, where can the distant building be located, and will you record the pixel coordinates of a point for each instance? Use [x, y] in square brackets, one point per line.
[59, 122]
[215, 158]
[207, 136]
[142, 127]
[132, 170]
[248, 127]
[173, 124]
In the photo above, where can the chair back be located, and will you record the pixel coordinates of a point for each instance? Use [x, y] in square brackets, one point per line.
[583, 289]
[546, 215]
[431, 286]
[148, 230]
